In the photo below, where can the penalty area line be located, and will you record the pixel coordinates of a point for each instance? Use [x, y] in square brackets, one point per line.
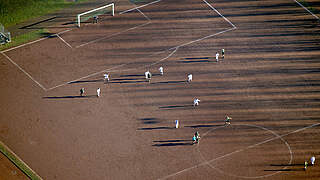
[64, 41]
[20, 68]
[32, 42]
[237, 151]
[90, 75]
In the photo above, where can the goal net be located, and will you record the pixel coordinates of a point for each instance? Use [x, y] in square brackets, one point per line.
[103, 10]
[4, 35]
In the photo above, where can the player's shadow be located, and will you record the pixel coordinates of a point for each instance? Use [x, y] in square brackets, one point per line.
[132, 75]
[86, 81]
[149, 120]
[127, 79]
[286, 169]
[178, 142]
[177, 107]
[69, 97]
[195, 60]
[169, 82]
[203, 126]
[155, 128]
[127, 82]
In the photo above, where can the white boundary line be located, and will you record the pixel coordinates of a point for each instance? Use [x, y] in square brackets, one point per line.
[252, 177]
[219, 13]
[32, 42]
[240, 150]
[149, 21]
[90, 75]
[64, 41]
[307, 10]
[139, 7]
[23, 71]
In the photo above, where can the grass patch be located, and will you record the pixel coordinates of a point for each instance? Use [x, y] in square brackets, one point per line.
[16, 11]
[21, 165]
[24, 38]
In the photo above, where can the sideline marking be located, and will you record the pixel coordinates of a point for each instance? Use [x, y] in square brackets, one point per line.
[219, 14]
[253, 177]
[36, 41]
[306, 9]
[23, 71]
[251, 146]
[139, 7]
[64, 41]
[93, 74]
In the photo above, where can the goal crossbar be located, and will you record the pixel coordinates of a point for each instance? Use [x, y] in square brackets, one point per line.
[96, 9]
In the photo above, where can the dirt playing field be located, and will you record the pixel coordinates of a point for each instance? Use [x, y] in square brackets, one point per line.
[268, 82]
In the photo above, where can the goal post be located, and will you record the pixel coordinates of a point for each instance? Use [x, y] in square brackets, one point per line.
[95, 12]
[5, 36]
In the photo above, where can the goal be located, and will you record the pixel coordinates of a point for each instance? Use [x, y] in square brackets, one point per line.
[85, 16]
[4, 35]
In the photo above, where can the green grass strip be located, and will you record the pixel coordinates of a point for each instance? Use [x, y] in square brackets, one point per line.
[16, 11]
[24, 38]
[18, 162]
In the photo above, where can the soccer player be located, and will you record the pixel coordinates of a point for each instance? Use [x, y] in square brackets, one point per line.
[161, 70]
[189, 78]
[313, 159]
[148, 76]
[228, 121]
[196, 102]
[98, 92]
[177, 123]
[305, 165]
[222, 53]
[217, 56]
[81, 91]
[106, 77]
[197, 136]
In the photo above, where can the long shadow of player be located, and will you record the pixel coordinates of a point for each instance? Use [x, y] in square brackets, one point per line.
[177, 107]
[86, 81]
[69, 97]
[178, 142]
[169, 82]
[155, 128]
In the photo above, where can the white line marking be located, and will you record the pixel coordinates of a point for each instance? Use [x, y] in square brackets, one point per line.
[163, 58]
[139, 7]
[93, 74]
[107, 37]
[307, 10]
[220, 14]
[64, 41]
[144, 15]
[203, 38]
[34, 41]
[253, 177]
[23, 71]
[240, 150]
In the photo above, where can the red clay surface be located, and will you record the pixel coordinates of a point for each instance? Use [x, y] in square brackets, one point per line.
[268, 83]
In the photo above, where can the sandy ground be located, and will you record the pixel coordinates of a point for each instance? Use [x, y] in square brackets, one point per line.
[268, 83]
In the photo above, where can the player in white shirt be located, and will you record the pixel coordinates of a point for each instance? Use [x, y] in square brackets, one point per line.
[98, 92]
[189, 77]
[217, 56]
[148, 75]
[106, 77]
[313, 159]
[196, 102]
[161, 70]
